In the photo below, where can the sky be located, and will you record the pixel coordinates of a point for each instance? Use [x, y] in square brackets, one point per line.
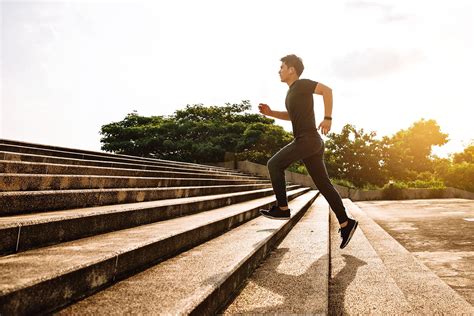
[69, 67]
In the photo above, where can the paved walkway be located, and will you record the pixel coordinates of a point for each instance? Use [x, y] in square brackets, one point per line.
[439, 232]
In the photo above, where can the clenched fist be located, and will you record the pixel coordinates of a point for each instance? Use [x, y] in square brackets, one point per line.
[264, 109]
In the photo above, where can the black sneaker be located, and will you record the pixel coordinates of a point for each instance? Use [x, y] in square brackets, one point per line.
[347, 232]
[276, 213]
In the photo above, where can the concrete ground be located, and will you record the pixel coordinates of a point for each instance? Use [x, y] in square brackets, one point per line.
[439, 232]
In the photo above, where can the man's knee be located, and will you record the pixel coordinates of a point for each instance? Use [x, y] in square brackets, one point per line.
[272, 164]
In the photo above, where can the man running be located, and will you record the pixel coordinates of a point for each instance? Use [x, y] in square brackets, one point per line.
[307, 144]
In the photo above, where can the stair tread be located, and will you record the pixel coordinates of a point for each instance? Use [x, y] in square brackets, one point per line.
[173, 286]
[27, 175]
[294, 278]
[163, 163]
[48, 216]
[73, 255]
[70, 191]
[360, 282]
[141, 170]
[83, 153]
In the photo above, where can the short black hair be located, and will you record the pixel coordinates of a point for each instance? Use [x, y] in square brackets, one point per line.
[295, 62]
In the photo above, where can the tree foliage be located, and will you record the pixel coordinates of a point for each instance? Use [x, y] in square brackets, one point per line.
[197, 134]
[354, 157]
[408, 152]
[465, 156]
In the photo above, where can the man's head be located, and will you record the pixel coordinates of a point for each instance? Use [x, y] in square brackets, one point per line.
[291, 68]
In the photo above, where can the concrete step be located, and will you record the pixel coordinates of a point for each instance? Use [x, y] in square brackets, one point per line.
[24, 232]
[8, 156]
[35, 182]
[360, 282]
[174, 287]
[36, 149]
[294, 278]
[425, 292]
[45, 279]
[20, 167]
[12, 203]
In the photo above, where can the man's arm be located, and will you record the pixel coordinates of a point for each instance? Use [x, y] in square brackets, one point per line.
[326, 92]
[282, 115]
[265, 110]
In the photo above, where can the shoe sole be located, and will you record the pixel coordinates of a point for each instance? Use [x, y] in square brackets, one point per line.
[350, 235]
[271, 217]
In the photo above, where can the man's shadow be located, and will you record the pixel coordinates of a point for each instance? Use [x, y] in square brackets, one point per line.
[339, 284]
[300, 290]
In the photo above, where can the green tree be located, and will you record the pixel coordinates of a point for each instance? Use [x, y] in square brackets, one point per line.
[197, 134]
[355, 156]
[466, 156]
[461, 176]
[457, 172]
[408, 152]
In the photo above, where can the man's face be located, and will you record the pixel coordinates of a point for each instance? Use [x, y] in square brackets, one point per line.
[284, 72]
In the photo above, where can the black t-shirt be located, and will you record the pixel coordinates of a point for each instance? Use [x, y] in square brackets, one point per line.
[300, 107]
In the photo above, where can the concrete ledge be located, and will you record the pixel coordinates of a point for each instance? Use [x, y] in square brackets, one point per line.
[54, 276]
[21, 167]
[354, 195]
[293, 177]
[294, 278]
[162, 165]
[41, 182]
[409, 194]
[174, 287]
[360, 283]
[24, 232]
[56, 151]
[12, 203]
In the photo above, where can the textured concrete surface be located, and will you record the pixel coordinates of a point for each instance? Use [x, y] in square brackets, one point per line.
[54, 151]
[424, 290]
[360, 283]
[39, 182]
[180, 284]
[294, 277]
[74, 268]
[26, 202]
[164, 166]
[438, 232]
[23, 232]
[25, 167]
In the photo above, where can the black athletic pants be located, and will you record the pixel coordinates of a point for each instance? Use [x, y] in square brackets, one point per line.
[310, 149]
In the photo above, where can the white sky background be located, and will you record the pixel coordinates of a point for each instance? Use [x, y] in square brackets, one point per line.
[69, 67]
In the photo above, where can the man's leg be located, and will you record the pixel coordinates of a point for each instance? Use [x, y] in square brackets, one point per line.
[276, 167]
[317, 170]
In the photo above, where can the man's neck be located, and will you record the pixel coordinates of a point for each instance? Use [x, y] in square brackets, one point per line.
[291, 81]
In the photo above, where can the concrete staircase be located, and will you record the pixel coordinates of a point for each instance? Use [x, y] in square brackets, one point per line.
[93, 233]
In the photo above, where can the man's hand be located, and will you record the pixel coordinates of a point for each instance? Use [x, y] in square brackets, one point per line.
[325, 126]
[264, 109]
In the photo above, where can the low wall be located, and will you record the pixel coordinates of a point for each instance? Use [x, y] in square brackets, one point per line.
[262, 170]
[353, 194]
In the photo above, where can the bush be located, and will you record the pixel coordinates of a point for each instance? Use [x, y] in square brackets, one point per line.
[461, 176]
[344, 183]
[393, 191]
[430, 184]
[298, 168]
